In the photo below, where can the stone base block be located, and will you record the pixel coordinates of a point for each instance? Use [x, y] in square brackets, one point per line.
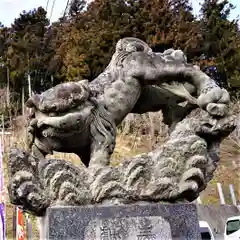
[123, 222]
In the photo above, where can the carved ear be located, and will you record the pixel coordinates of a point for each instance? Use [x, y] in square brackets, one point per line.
[33, 101]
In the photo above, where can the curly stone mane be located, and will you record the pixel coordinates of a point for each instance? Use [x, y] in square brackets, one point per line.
[124, 47]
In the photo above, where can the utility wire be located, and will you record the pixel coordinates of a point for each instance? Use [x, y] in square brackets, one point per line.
[37, 74]
[64, 14]
[47, 4]
[54, 1]
[65, 11]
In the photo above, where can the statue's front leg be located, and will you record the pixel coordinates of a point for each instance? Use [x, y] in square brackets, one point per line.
[37, 152]
[102, 147]
[33, 143]
[31, 132]
[103, 135]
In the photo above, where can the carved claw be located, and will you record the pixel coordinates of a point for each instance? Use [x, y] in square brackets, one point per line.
[217, 109]
[214, 99]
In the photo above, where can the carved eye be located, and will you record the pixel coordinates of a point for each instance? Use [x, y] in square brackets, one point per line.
[54, 106]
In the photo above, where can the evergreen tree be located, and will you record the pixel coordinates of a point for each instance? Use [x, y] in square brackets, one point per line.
[80, 45]
[26, 44]
[221, 40]
[4, 33]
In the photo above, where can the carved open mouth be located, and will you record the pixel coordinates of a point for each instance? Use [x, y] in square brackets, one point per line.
[65, 124]
[53, 132]
[49, 131]
[70, 131]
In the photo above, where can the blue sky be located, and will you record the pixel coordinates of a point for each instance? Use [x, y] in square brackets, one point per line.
[10, 9]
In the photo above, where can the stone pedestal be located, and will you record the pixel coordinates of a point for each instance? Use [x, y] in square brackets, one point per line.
[125, 222]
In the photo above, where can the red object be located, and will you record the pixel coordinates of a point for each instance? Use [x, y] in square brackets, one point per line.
[20, 225]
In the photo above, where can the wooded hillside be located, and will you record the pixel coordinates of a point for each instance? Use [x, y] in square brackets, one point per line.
[79, 45]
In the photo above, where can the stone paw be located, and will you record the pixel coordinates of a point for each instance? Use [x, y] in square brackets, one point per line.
[214, 100]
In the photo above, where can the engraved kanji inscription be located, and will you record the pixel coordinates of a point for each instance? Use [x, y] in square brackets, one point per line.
[145, 230]
[107, 232]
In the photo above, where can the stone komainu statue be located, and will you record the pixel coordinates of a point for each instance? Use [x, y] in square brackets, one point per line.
[81, 117]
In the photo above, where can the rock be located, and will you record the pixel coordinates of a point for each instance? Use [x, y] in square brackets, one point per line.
[126, 222]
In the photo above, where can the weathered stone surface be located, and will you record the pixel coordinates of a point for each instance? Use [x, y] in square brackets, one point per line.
[177, 171]
[131, 222]
[81, 117]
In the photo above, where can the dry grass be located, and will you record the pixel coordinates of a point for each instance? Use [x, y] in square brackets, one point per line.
[140, 134]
